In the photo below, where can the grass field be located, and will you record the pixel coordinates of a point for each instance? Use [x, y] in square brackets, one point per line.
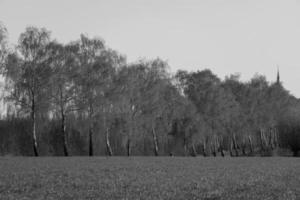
[149, 178]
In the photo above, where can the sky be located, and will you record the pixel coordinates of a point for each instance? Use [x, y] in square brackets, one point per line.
[226, 36]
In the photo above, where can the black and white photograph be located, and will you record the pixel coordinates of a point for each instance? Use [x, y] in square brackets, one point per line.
[150, 99]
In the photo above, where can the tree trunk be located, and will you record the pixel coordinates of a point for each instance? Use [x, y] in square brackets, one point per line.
[132, 129]
[235, 146]
[231, 148]
[91, 150]
[222, 153]
[64, 135]
[184, 146]
[155, 143]
[169, 146]
[91, 129]
[243, 150]
[213, 144]
[204, 148]
[128, 147]
[108, 147]
[194, 152]
[276, 139]
[265, 140]
[33, 118]
[221, 147]
[250, 144]
[262, 140]
[244, 147]
[271, 138]
[214, 152]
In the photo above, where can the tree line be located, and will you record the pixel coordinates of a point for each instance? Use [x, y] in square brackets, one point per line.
[84, 98]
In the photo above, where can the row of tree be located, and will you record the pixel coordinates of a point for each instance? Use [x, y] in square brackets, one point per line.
[83, 98]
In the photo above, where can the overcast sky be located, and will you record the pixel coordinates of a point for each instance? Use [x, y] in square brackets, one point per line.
[227, 36]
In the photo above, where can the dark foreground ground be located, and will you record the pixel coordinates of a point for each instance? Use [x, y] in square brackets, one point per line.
[149, 178]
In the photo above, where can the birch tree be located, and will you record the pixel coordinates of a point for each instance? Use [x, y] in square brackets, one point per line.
[63, 88]
[3, 44]
[29, 76]
[97, 64]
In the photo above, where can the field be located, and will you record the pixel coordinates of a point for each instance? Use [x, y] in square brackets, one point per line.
[149, 178]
